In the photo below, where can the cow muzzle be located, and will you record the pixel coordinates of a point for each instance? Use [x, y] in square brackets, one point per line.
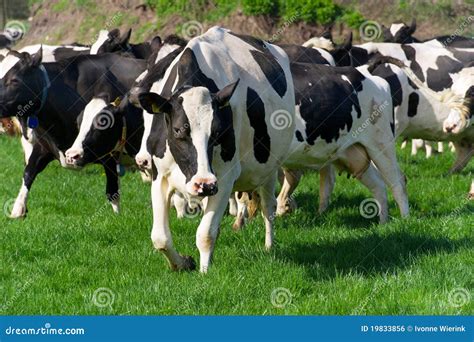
[73, 156]
[456, 122]
[202, 186]
[143, 161]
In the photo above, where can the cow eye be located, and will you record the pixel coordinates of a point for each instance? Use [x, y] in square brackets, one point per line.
[178, 132]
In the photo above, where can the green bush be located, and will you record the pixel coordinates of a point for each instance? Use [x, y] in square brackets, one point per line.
[310, 11]
[353, 18]
[258, 7]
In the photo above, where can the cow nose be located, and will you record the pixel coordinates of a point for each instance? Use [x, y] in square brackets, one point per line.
[450, 128]
[73, 156]
[142, 163]
[206, 189]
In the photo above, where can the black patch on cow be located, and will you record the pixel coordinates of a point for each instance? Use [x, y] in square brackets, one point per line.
[223, 133]
[156, 142]
[256, 114]
[267, 62]
[413, 85]
[325, 106]
[439, 79]
[396, 90]
[190, 73]
[299, 136]
[301, 54]
[272, 70]
[410, 53]
[463, 56]
[413, 101]
[469, 100]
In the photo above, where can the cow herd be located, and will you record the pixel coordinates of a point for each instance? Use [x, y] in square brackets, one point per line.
[212, 122]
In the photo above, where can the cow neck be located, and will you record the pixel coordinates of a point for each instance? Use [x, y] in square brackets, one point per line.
[119, 147]
[45, 89]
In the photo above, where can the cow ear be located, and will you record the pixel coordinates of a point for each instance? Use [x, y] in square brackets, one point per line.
[126, 37]
[412, 26]
[115, 33]
[154, 103]
[347, 45]
[37, 58]
[156, 43]
[223, 96]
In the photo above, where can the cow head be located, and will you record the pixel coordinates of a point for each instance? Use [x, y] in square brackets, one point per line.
[100, 131]
[22, 83]
[111, 42]
[399, 33]
[194, 119]
[461, 114]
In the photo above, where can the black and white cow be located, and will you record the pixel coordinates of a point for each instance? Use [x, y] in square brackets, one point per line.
[214, 115]
[51, 97]
[344, 118]
[403, 34]
[9, 37]
[112, 41]
[93, 141]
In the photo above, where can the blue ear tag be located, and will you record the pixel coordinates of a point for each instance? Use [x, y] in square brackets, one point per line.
[120, 170]
[32, 121]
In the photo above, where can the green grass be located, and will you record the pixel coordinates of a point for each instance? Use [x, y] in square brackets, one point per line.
[339, 263]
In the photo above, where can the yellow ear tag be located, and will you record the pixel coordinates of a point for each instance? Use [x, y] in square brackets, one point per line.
[117, 102]
[155, 108]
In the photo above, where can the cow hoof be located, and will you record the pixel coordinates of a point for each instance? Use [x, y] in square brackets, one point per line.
[282, 211]
[188, 263]
[18, 212]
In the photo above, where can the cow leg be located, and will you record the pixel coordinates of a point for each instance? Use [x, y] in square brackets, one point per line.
[242, 212]
[112, 188]
[208, 229]
[440, 147]
[27, 148]
[464, 153]
[372, 179]
[160, 233]
[471, 192]
[37, 162]
[327, 178]
[286, 202]
[268, 203]
[404, 144]
[415, 145]
[180, 204]
[428, 149]
[386, 162]
[356, 160]
[233, 209]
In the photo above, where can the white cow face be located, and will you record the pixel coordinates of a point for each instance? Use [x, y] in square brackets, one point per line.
[457, 121]
[194, 122]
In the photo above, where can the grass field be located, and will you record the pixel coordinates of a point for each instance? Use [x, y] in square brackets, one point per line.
[71, 246]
